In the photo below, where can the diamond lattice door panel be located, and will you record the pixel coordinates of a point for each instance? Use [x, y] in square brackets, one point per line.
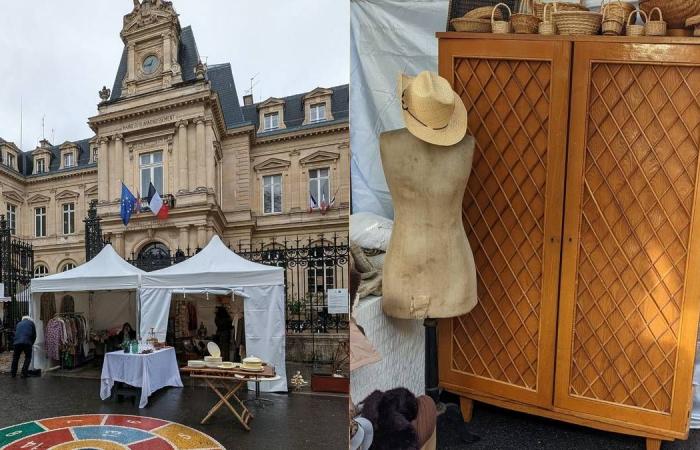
[628, 307]
[517, 100]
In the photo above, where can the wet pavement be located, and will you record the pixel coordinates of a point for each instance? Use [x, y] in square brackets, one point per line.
[499, 429]
[295, 421]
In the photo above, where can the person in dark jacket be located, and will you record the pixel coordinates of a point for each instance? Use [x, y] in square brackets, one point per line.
[25, 336]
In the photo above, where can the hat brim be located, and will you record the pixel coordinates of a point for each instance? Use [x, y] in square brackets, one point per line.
[452, 134]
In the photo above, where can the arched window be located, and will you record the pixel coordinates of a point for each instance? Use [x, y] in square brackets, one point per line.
[68, 266]
[40, 271]
[154, 250]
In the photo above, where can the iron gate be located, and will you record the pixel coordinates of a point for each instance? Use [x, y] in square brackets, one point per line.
[16, 272]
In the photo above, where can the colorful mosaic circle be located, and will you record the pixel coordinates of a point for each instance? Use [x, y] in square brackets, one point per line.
[104, 432]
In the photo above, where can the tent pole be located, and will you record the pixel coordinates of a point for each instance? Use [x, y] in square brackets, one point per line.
[138, 314]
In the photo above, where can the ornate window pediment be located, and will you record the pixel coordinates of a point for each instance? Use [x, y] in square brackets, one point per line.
[67, 195]
[13, 196]
[69, 155]
[37, 199]
[319, 157]
[91, 191]
[272, 164]
[317, 106]
[271, 113]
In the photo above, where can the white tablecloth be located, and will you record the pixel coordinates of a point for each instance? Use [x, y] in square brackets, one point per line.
[149, 372]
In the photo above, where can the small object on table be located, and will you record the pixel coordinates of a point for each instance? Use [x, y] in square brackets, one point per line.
[577, 23]
[695, 23]
[634, 29]
[547, 27]
[500, 26]
[252, 364]
[656, 27]
[613, 22]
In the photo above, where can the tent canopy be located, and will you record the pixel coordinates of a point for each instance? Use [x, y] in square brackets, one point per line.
[216, 266]
[106, 271]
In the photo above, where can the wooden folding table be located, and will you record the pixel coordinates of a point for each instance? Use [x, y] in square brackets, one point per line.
[229, 381]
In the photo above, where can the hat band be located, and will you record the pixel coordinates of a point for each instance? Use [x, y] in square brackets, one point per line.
[405, 108]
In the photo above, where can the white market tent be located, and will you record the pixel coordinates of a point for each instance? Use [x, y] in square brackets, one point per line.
[106, 287]
[215, 269]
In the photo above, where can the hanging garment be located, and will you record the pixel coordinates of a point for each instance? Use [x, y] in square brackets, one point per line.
[192, 316]
[54, 339]
[67, 304]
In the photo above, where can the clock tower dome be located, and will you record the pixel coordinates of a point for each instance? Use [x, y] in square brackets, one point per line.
[151, 34]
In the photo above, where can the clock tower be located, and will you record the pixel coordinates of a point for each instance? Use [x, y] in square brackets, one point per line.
[151, 34]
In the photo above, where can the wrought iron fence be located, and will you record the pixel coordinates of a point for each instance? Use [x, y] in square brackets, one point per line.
[16, 272]
[312, 266]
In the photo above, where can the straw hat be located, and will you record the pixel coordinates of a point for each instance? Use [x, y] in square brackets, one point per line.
[432, 111]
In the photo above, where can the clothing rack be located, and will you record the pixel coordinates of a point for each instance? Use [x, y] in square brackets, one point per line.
[71, 356]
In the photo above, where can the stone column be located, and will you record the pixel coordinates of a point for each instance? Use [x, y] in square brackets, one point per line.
[201, 236]
[297, 189]
[192, 156]
[209, 160]
[167, 59]
[103, 170]
[183, 242]
[182, 156]
[118, 172]
[131, 62]
[193, 240]
[128, 169]
[119, 244]
[201, 156]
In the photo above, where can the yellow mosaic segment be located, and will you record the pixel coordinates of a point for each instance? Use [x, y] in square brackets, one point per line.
[186, 438]
[92, 444]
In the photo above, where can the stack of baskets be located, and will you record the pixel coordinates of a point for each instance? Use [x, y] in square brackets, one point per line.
[576, 22]
[478, 20]
[525, 21]
[615, 15]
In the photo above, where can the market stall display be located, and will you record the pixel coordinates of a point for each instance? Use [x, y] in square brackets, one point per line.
[226, 383]
[102, 294]
[148, 371]
[216, 270]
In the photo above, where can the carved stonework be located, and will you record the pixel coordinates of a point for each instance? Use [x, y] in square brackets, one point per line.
[200, 71]
[105, 93]
[147, 13]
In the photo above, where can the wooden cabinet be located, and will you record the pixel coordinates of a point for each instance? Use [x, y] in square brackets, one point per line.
[581, 212]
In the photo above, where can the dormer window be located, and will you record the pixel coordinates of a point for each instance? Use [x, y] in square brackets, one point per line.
[10, 160]
[318, 112]
[272, 121]
[68, 160]
[40, 165]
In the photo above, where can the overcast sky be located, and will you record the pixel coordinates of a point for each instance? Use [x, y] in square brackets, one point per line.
[57, 55]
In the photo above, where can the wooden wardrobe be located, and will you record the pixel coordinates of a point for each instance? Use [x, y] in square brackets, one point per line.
[582, 212]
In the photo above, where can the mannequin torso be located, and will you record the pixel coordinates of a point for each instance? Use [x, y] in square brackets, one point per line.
[429, 268]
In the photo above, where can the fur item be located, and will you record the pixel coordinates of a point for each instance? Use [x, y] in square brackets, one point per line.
[391, 414]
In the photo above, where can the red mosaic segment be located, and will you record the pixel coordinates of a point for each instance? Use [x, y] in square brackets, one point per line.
[42, 441]
[153, 444]
[71, 421]
[140, 423]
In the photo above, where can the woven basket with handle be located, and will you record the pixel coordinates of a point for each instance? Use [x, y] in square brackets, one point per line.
[500, 26]
[656, 27]
[617, 9]
[539, 6]
[577, 22]
[634, 29]
[525, 22]
[613, 22]
[484, 12]
[547, 27]
[676, 12]
[458, 8]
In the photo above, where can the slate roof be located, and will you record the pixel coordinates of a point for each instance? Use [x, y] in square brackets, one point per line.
[25, 161]
[294, 112]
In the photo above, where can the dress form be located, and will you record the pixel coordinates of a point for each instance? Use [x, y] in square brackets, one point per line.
[429, 269]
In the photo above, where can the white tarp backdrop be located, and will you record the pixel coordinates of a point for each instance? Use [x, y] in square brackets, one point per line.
[214, 268]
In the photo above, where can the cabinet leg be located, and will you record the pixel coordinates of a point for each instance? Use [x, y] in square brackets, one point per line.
[466, 405]
[653, 444]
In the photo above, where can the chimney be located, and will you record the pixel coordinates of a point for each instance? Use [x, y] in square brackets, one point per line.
[247, 100]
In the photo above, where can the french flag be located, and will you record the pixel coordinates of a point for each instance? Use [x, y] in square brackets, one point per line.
[155, 203]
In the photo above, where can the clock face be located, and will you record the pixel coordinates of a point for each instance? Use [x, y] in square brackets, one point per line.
[150, 64]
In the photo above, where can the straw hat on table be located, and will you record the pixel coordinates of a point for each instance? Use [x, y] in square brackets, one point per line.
[432, 111]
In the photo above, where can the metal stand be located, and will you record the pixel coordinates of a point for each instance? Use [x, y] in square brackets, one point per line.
[431, 361]
[258, 401]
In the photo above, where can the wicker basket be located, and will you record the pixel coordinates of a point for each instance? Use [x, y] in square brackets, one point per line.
[613, 22]
[525, 22]
[547, 27]
[469, 25]
[675, 11]
[500, 26]
[577, 22]
[634, 29]
[561, 6]
[617, 9]
[458, 8]
[695, 23]
[483, 13]
[656, 27]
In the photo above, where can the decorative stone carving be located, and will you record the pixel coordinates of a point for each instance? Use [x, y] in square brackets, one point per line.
[105, 93]
[200, 70]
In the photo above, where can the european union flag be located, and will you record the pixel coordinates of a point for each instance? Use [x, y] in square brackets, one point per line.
[128, 204]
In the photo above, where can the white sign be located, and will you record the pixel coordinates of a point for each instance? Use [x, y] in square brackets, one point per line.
[338, 301]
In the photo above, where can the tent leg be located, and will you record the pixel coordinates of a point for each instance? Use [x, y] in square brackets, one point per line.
[138, 315]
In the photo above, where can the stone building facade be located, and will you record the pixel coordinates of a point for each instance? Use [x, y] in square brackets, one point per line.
[245, 172]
